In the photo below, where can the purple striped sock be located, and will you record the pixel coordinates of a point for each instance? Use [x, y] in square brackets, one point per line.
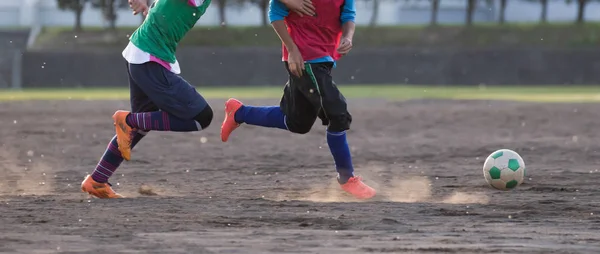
[111, 159]
[161, 121]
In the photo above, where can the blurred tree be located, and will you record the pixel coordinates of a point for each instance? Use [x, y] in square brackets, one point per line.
[109, 10]
[544, 12]
[374, 13]
[77, 7]
[503, 11]
[263, 5]
[470, 9]
[222, 5]
[435, 7]
[581, 4]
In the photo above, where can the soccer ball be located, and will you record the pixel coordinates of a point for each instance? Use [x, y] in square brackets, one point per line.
[504, 169]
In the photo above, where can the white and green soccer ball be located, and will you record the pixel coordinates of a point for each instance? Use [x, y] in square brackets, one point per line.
[504, 169]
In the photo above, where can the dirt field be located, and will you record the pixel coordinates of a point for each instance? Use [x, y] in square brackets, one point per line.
[268, 191]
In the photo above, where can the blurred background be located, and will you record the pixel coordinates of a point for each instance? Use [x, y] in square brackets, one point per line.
[78, 43]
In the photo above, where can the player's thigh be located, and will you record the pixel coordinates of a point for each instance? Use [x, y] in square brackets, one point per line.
[140, 102]
[299, 112]
[169, 91]
[329, 99]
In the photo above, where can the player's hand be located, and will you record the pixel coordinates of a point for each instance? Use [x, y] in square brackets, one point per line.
[345, 46]
[301, 7]
[295, 63]
[139, 6]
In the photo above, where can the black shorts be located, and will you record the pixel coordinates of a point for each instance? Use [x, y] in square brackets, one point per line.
[314, 95]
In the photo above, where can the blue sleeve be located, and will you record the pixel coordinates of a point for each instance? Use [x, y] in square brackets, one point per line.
[348, 11]
[277, 11]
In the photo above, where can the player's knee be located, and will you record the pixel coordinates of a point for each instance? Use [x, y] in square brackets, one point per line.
[299, 128]
[340, 123]
[204, 118]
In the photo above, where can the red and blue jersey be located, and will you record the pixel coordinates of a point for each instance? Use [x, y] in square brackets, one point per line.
[317, 37]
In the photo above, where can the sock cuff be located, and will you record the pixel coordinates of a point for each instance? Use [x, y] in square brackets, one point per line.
[198, 125]
[285, 122]
[336, 133]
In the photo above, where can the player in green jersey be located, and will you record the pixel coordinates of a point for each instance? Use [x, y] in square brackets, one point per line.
[161, 100]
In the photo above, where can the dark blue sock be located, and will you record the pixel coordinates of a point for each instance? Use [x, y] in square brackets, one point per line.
[338, 145]
[270, 116]
[112, 159]
[160, 121]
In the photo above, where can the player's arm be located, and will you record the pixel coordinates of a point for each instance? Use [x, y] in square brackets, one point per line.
[277, 13]
[301, 7]
[139, 6]
[348, 26]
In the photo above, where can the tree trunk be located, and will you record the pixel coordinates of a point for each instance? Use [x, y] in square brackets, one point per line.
[222, 15]
[374, 14]
[503, 11]
[435, 6]
[112, 15]
[78, 14]
[222, 18]
[581, 10]
[264, 9]
[109, 14]
[544, 15]
[470, 9]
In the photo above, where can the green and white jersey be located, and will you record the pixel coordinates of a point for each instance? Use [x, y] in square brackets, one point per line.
[156, 40]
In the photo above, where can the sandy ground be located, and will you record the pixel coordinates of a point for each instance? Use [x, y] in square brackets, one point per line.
[269, 191]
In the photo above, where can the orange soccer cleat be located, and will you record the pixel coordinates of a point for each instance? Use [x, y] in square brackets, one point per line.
[229, 124]
[124, 133]
[99, 190]
[358, 189]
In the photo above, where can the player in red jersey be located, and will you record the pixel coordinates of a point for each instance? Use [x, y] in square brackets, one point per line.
[311, 47]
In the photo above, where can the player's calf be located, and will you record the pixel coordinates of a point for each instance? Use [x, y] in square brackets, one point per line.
[112, 159]
[340, 150]
[236, 113]
[127, 123]
[163, 121]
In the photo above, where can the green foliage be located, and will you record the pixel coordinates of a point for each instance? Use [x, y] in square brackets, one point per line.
[109, 9]
[107, 3]
[77, 7]
[263, 5]
[555, 35]
[396, 92]
[581, 5]
[72, 5]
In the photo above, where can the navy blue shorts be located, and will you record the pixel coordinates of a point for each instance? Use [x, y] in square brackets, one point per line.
[153, 88]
